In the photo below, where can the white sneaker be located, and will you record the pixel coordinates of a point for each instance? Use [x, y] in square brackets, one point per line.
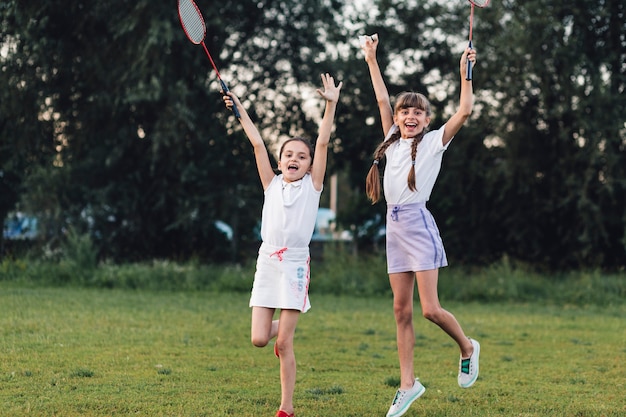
[468, 368]
[403, 399]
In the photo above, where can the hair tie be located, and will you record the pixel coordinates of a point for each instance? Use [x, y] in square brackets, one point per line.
[375, 162]
[413, 162]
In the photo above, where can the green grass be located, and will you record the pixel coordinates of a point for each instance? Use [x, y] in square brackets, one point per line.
[97, 352]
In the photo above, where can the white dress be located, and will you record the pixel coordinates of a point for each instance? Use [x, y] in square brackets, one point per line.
[282, 272]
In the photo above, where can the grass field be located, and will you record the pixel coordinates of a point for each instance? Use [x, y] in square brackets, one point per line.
[95, 352]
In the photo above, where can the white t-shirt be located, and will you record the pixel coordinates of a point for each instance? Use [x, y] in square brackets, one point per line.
[289, 212]
[427, 165]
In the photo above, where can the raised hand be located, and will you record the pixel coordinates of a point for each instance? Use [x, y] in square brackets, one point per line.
[468, 57]
[331, 91]
[230, 99]
[369, 43]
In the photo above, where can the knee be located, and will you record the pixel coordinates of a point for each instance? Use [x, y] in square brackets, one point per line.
[433, 314]
[403, 314]
[259, 341]
[283, 347]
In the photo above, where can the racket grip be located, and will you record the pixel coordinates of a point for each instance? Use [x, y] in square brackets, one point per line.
[468, 72]
[234, 109]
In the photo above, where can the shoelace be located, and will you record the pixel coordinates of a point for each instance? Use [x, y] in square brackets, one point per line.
[399, 395]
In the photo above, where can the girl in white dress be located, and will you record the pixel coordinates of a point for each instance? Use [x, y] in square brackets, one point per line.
[290, 209]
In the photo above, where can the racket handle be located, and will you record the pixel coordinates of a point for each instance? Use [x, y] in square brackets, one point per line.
[234, 109]
[468, 74]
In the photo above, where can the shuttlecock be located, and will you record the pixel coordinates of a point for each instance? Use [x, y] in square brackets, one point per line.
[363, 38]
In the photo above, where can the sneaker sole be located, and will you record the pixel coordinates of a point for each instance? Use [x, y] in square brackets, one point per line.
[408, 404]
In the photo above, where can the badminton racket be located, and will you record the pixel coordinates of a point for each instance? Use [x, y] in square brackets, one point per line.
[193, 24]
[481, 4]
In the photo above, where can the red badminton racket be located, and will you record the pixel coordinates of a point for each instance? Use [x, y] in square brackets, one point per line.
[481, 4]
[193, 24]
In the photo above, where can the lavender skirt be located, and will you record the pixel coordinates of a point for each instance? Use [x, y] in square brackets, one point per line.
[413, 240]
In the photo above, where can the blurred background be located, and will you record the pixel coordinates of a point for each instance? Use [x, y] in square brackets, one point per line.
[112, 126]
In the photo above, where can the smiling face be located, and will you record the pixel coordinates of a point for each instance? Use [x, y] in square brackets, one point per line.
[412, 114]
[295, 159]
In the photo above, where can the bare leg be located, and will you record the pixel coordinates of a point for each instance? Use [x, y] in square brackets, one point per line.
[402, 286]
[263, 328]
[432, 310]
[284, 343]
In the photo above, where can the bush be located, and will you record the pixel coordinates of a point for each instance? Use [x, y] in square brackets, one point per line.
[337, 271]
[344, 273]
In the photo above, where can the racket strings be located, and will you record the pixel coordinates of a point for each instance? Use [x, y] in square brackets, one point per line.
[192, 21]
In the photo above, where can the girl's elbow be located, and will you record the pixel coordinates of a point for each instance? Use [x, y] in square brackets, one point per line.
[465, 112]
[383, 102]
[321, 145]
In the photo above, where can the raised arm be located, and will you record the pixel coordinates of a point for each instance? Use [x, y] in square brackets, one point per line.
[331, 95]
[263, 164]
[466, 101]
[369, 45]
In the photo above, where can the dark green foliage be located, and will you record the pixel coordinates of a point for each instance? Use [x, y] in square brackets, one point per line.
[111, 122]
[555, 183]
[339, 274]
[140, 157]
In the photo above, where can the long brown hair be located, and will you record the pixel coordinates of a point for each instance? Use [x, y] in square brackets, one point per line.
[372, 182]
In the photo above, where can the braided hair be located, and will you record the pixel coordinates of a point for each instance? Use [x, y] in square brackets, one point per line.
[403, 101]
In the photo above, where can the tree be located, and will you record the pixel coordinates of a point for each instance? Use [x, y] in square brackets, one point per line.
[537, 173]
[564, 137]
[112, 121]
[142, 153]
[25, 132]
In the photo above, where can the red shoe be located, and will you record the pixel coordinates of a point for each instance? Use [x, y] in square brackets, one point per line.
[281, 413]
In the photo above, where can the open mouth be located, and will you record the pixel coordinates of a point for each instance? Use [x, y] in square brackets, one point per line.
[292, 167]
[411, 125]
